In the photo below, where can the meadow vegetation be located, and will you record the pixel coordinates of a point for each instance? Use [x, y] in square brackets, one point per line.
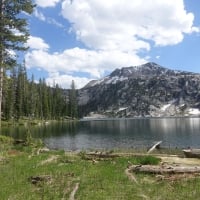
[31, 171]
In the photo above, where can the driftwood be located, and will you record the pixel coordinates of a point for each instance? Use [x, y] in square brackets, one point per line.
[166, 169]
[191, 153]
[130, 175]
[155, 146]
[19, 141]
[42, 150]
[72, 195]
[102, 155]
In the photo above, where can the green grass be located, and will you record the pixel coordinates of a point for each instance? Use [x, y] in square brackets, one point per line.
[101, 180]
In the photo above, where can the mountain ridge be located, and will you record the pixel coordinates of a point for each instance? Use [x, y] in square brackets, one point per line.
[148, 90]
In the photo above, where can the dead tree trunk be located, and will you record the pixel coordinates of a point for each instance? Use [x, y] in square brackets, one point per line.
[168, 169]
[157, 145]
[1, 57]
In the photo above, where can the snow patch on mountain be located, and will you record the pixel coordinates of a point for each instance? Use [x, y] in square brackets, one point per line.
[115, 79]
[194, 111]
[164, 107]
[107, 80]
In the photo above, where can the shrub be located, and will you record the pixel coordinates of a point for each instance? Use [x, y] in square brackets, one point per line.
[147, 160]
[6, 139]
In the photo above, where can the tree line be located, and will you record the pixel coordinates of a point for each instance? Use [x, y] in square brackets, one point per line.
[20, 97]
[23, 98]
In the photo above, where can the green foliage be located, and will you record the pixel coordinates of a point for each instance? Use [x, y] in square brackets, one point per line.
[57, 173]
[30, 141]
[24, 99]
[6, 139]
[147, 160]
[12, 20]
[73, 101]
[82, 155]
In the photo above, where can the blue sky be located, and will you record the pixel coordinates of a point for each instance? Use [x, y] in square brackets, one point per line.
[84, 40]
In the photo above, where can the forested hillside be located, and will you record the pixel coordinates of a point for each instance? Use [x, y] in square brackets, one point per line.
[23, 98]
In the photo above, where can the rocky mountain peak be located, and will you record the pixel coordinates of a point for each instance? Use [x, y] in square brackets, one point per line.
[147, 70]
[136, 70]
[144, 90]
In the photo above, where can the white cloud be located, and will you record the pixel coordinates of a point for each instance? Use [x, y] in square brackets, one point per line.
[39, 15]
[157, 57]
[94, 63]
[128, 25]
[65, 81]
[11, 53]
[47, 3]
[196, 29]
[54, 22]
[114, 31]
[37, 43]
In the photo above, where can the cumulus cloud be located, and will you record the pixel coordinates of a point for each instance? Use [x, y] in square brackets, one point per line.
[66, 80]
[114, 32]
[128, 25]
[94, 63]
[47, 3]
[37, 43]
[157, 57]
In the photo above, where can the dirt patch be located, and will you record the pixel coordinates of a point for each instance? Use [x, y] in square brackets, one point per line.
[179, 161]
[130, 175]
[51, 159]
[176, 177]
[14, 152]
[39, 179]
[2, 159]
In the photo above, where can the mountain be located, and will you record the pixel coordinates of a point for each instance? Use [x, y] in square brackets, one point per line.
[148, 90]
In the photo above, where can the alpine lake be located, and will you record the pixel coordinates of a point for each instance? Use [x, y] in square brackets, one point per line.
[114, 133]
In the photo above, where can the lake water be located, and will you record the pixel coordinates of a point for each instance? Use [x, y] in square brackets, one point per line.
[116, 133]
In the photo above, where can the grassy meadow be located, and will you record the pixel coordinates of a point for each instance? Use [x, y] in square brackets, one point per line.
[30, 172]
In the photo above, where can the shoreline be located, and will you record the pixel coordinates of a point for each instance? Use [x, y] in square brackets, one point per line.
[31, 171]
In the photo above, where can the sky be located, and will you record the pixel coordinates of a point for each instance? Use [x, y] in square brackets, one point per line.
[83, 40]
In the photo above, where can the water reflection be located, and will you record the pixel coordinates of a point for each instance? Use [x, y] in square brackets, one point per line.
[121, 133]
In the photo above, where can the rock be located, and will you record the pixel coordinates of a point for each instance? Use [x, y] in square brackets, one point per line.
[38, 179]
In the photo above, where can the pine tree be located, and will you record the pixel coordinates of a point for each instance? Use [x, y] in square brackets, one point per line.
[45, 103]
[57, 101]
[32, 97]
[11, 23]
[73, 101]
[40, 100]
[9, 95]
[22, 92]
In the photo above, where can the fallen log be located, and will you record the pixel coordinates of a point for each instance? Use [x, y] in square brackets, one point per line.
[72, 195]
[19, 141]
[191, 153]
[167, 169]
[130, 175]
[157, 145]
[102, 155]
